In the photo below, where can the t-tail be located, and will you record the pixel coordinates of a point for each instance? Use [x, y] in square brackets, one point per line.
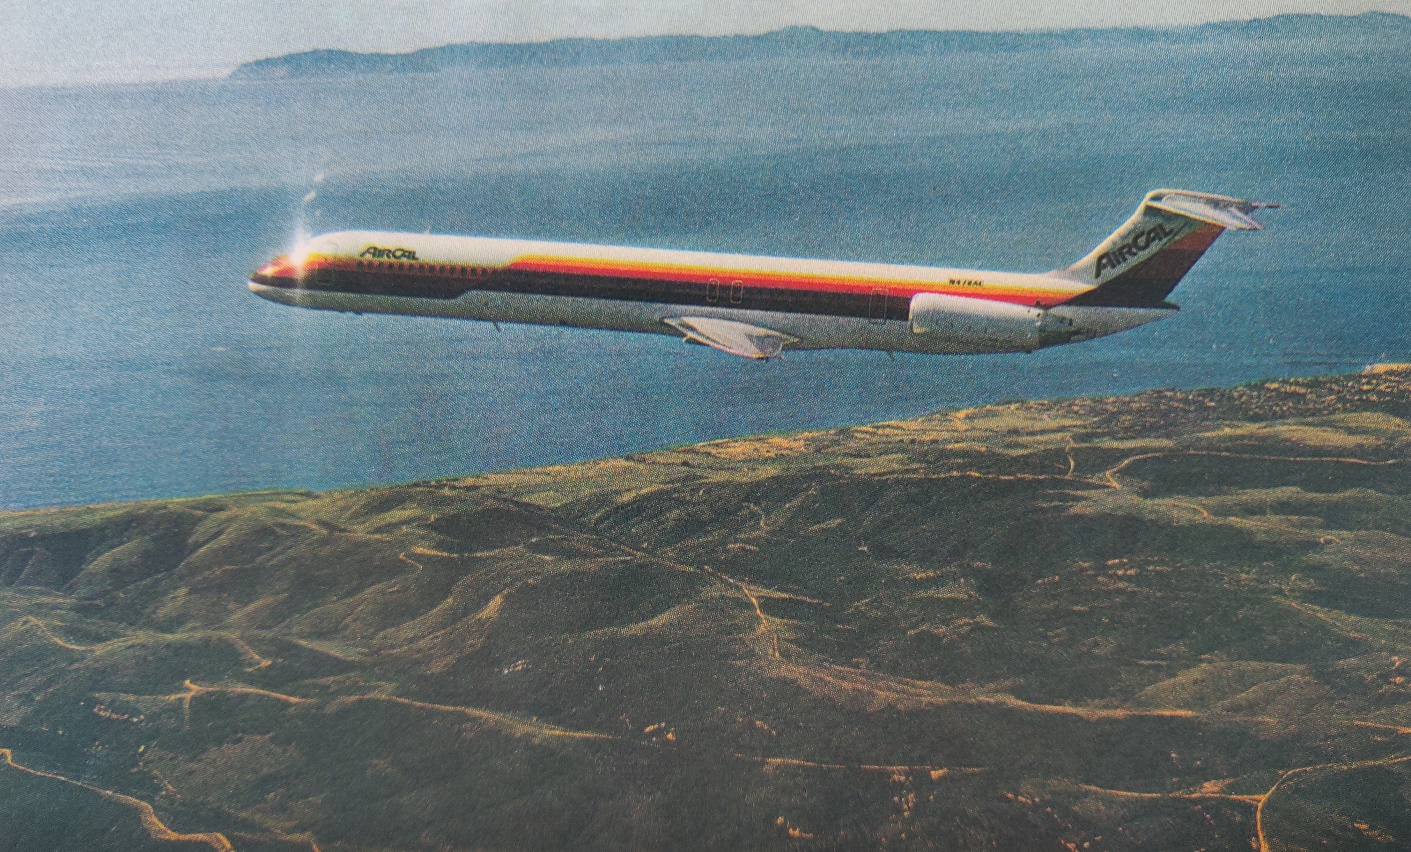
[1141, 263]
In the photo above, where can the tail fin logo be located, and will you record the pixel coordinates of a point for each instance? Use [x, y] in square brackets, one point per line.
[1119, 257]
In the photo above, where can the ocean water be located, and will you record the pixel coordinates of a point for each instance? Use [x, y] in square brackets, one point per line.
[134, 363]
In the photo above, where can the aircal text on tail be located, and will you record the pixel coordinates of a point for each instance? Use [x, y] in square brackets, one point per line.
[755, 306]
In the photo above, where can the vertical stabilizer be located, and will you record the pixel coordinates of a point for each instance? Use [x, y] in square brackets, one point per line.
[1141, 263]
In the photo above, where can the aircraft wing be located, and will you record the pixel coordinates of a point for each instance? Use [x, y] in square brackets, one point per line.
[736, 338]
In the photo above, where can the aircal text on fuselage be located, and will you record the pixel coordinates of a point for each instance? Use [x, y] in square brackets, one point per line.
[380, 253]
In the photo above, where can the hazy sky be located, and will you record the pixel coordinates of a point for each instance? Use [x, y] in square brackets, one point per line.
[56, 41]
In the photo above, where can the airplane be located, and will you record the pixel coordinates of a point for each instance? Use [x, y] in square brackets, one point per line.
[754, 306]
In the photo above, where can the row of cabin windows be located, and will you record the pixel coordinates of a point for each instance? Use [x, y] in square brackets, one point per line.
[431, 268]
[715, 290]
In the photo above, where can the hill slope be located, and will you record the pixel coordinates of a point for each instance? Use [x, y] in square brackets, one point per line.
[809, 42]
[1174, 620]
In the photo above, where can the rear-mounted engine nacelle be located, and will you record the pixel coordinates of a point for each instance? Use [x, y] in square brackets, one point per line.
[985, 326]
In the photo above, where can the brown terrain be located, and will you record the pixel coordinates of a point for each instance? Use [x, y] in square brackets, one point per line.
[1177, 620]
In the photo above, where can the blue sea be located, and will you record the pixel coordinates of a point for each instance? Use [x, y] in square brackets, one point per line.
[134, 363]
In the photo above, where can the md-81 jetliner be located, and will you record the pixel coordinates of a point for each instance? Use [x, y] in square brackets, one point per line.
[756, 306]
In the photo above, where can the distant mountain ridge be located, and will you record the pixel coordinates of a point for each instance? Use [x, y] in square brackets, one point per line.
[799, 41]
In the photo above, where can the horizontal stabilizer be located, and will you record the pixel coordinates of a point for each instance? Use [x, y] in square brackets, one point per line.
[1219, 210]
[736, 338]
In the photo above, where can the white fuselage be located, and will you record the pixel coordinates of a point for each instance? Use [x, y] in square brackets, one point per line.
[819, 304]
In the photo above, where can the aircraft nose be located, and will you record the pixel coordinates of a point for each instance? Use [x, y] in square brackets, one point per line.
[280, 272]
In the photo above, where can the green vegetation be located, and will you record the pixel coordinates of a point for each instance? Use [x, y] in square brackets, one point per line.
[1173, 620]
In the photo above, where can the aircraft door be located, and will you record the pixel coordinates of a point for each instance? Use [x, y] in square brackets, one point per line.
[877, 305]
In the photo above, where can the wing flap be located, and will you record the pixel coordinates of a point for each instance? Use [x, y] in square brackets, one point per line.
[735, 338]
